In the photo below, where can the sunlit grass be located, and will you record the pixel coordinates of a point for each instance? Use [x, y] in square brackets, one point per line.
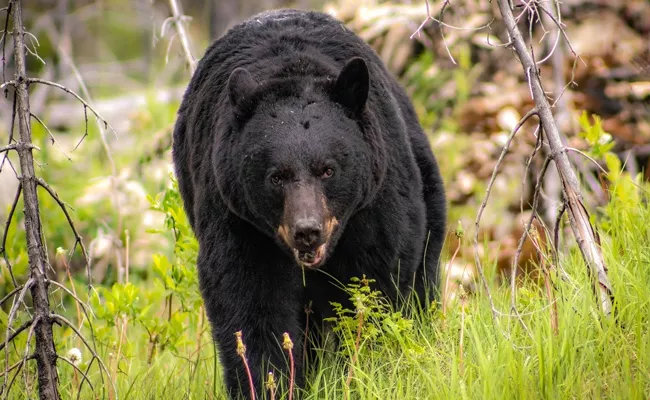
[592, 356]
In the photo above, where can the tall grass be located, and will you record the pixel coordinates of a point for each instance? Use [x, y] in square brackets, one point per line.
[591, 356]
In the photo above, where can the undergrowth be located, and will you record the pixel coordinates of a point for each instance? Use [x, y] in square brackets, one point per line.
[155, 339]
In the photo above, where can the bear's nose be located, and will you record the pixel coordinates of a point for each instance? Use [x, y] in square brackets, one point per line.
[307, 233]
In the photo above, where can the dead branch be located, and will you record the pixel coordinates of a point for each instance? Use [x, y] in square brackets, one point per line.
[3, 248]
[477, 222]
[106, 124]
[49, 132]
[586, 236]
[83, 374]
[526, 233]
[8, 83]
[25, 357]
[78, 238]
[64, 322]
[177, 19]
[6, 371]
[9, 337]
[17, 332]
[84, 306]
[8, 296]
[45, 352]
[5, 157]
[17, 146]
[556, 229]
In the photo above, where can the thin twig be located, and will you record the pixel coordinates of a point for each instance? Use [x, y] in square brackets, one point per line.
[5, 157]
[9, 337]
[477, 222]
[62, 321]
[84, 307]
[556, 230]
[78, 238]
[52, 138]
[178, 20]
[3, 248]
[107, 125]
[17, 332]
[83, 374]
[524, 235]
[585, 155]
[18, 146]
[8, 296]
[8, 83]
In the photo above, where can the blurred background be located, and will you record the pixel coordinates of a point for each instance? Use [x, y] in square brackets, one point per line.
[126, 58]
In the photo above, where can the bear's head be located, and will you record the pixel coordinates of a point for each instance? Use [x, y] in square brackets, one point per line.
[301, 154]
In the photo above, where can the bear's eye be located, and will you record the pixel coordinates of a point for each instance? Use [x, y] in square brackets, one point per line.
[276, 180]
[327, 173]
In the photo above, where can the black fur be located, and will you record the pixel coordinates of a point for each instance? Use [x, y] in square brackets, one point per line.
[275, 102]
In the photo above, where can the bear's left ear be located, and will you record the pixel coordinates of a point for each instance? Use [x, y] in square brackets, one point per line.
[352, 86]
[241, 86]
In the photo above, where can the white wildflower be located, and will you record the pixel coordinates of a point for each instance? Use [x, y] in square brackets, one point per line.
[74, 355]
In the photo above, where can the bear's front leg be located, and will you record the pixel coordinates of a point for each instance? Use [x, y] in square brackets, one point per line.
[251, 286]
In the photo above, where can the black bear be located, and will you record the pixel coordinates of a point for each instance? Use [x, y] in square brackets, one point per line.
[301, 162]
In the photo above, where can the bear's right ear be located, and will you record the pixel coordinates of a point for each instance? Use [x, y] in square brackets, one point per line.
[352, 86]
[241, 86]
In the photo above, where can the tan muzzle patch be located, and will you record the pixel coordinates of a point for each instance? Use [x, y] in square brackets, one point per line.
[283, 232]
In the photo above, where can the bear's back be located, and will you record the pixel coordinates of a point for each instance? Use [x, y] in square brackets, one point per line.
[280, 43]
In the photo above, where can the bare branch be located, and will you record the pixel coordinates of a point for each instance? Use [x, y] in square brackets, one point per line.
[3, 248]
[556, 230]
[7, 370]
[8, 296]
[78, 238]
[585, 155]
[75, 95]
[64, 322]
[9, 337]
[8, 83]
[525, 234]
[178, 19]
[11, 128]
[4, 40]
[86, 309]
[17, 332]
[18, 146]
[477, 223]
[83, 374]
[51, 135]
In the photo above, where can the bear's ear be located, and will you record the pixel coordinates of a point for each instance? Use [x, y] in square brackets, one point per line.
[241, 86]
[352, 85]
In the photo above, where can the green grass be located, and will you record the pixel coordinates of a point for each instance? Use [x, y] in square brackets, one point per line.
[591, 356]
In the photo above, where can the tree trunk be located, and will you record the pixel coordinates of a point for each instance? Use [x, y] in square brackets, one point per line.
[45, 352]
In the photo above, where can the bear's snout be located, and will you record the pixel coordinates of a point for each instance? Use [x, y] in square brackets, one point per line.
[308, 233]
[307, 225]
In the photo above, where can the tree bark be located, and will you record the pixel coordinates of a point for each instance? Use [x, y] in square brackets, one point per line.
[585, 234]
[45, 352]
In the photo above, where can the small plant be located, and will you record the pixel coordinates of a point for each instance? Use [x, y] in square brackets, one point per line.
[241, 352]
[287, 344]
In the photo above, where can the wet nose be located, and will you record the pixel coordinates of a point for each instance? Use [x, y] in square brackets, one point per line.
[308, 233]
